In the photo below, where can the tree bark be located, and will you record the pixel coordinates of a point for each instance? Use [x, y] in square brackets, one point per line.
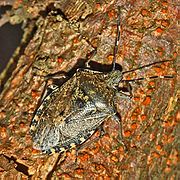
[57, 36]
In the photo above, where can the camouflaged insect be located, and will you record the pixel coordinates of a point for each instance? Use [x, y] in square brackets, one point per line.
[71, 113]
[67, 117]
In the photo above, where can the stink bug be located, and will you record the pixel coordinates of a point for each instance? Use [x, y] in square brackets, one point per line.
[69, 114]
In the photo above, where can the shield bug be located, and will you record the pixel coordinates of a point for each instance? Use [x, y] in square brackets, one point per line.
[69, 114]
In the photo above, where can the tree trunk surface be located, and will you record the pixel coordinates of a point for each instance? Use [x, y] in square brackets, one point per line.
[59, 34]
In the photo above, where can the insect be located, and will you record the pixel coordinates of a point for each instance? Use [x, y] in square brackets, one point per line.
[70, 114]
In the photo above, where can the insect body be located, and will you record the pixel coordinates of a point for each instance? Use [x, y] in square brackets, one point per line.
[60, 124]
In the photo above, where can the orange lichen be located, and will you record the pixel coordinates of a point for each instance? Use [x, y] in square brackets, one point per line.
[114, 158]
[137, 110]
[155, 155]
[165, 23]
[159, 30]
[143, 117]
[110, 58]
[136, 98]
[98, 6]
[144, 12]
[84, 157]
[134, 126]
[164, 10]
[60, 60]
[75, 40]
[111, 14]
[35, 151]
[158, 147]
[128, 77]
[34, 94]
[149, 91]
[79, 171]
[127, 133]
[164, 3]
[175, 55]
[160, 53]
[134, 117]
[3, 132]
[147, 101]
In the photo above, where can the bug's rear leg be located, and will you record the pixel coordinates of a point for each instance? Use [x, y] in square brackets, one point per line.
[88, 142]
[117, 118]
[57, 78]
[57, 81]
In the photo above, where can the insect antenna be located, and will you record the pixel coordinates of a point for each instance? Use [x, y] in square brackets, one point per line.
[151, 77]
[147, 65]
[117, 38]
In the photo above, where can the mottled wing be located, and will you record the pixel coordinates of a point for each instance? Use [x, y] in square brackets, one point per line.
[70, 114]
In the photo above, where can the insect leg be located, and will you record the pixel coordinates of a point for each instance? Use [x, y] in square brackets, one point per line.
[79, 70]
[58, 78]
[124, 90]
[144, 66]
[50, 88]
[120, 136]
[88, 142]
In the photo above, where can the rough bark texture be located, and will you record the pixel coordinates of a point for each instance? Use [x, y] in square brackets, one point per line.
[57, 36]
